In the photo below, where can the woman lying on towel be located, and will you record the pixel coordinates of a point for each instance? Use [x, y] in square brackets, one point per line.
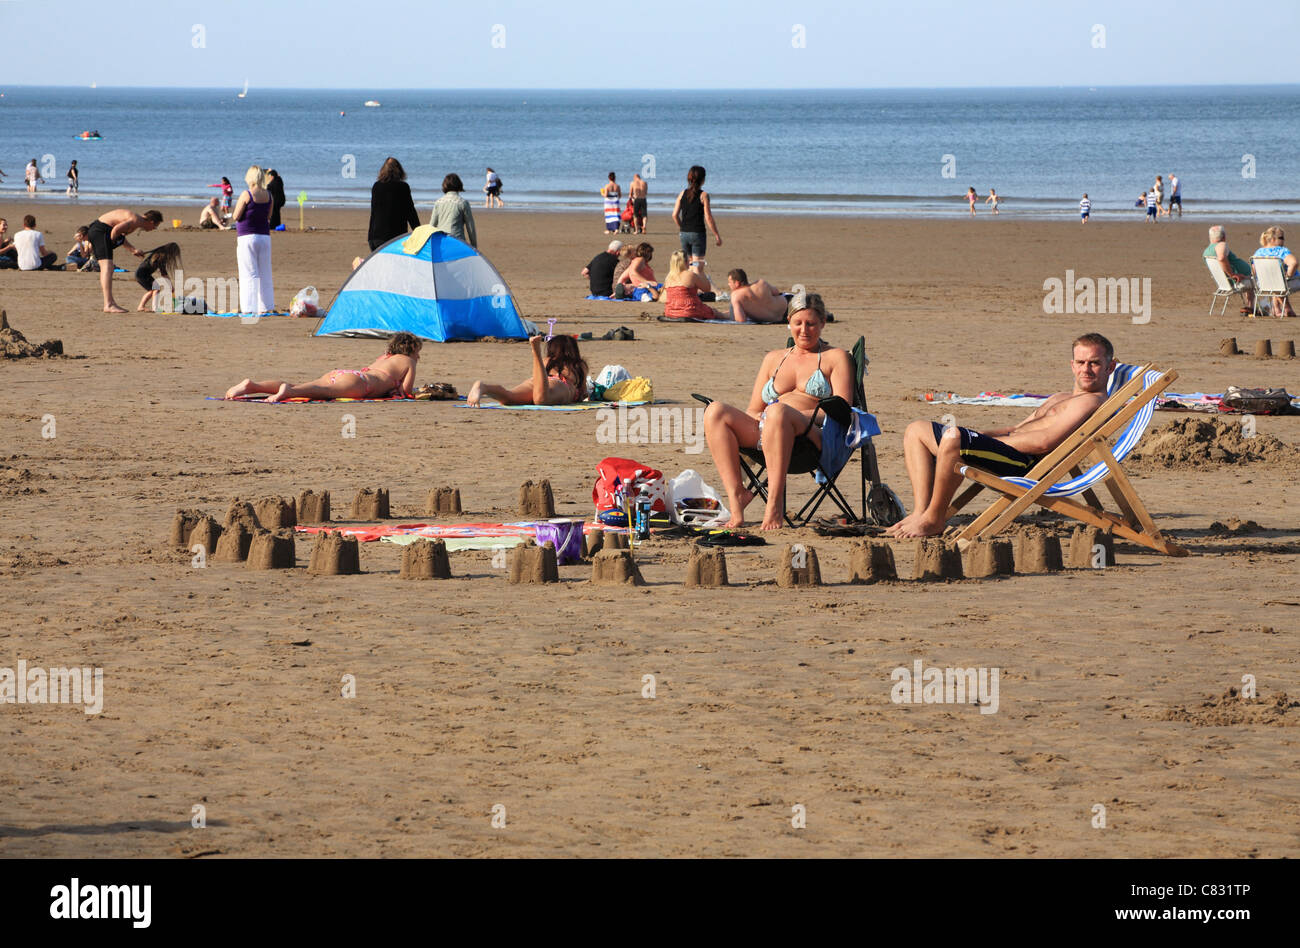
[682, 289]
[558, 379]
[393, 373]
[789, 385]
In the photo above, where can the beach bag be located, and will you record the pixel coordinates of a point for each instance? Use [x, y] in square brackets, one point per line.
[608, 376]
[615, 476]
[694, 502]
[1260, 401]
[305, 302]
[627, 211]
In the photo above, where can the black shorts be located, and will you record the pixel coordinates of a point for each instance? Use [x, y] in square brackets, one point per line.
[494, 190]
[1176, 199]
[99, 236]
[638, 207]
[990, 454]
[144, 276]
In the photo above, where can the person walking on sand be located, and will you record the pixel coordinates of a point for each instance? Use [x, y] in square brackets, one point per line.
[492, 189]
[992, 199]
[108, 232]
[392, 210]
[1085, 208]
[74, 179]
[691, 214]
[32, 175]
[971, 198]
[275, 185]
[1159, 191]
[1153, 204]
[392, 373]
[638, 190]
[612, 196]
[1175, 195]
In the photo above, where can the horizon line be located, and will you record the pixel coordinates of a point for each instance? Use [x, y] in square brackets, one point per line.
[289, 88]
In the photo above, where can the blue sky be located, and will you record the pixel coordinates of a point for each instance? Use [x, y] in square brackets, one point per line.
[661, 45]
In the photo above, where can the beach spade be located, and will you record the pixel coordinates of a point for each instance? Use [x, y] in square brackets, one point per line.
[302, 199]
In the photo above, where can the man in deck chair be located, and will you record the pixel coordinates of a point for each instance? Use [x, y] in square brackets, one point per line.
[932, 451]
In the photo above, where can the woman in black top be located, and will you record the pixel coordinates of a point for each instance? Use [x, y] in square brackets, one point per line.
[391, 207]
[692, 214]
[275, 184]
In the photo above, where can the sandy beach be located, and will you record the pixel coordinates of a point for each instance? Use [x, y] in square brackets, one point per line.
[222, 684]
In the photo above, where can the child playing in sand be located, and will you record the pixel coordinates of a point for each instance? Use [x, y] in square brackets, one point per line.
[162, 261]
[393, 372]
[560, 379]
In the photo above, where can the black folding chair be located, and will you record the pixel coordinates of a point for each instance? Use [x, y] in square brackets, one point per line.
[879, 504]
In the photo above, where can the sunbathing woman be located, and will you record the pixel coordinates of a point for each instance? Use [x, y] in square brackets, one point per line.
[789, 385]
[393, 372]
[682, 288]
[559, 379]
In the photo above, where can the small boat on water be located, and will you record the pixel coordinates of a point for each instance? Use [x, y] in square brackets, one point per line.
[371, 104]
[245, 92]
[90, 137]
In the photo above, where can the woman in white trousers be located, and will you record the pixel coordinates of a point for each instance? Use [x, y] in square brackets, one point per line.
[253, 245]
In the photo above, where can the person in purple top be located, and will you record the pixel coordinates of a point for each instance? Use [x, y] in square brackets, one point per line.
[253, 246]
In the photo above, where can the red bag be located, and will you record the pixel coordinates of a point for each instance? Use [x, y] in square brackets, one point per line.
[615, 475]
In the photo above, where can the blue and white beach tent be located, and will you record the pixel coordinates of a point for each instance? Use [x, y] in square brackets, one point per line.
[427, 283]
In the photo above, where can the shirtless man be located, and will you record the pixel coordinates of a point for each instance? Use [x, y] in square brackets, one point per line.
[757, 302]
[637, 191]
[211, 218]
[931, 452]
[106, 233]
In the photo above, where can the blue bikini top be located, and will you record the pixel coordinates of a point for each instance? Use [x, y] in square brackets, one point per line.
[817, 385]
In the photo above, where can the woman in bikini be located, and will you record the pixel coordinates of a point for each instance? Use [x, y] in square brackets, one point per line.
[789, 385]
[559, 378]
[393, 372]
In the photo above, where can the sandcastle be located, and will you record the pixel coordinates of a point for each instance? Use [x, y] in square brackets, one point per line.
[426, 559]
[1264, 349]
[241, 511]
[234, 543]
[442, 500]
[1038, 551]
[1228, 346]
[370, 504]
[334, 554]
[799, 567]
[536, 500]
[314, 507]
[276, 513]
[534, 564]
[936, 560]
[872, 562]
[615, 567]
[1085, 542]
[985, 558]
[706, 567]
[183, 525]
[271, 550]
[1288, 350]
[207, 534]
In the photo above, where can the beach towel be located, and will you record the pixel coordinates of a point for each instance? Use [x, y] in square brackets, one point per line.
[564, 532]
[983, 398]
[839, 442]
[715, 322]
[248, 315]
[575, 406]
[261, 400]
[639, 295]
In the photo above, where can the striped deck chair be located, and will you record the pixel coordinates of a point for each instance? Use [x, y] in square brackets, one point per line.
[1058, 476]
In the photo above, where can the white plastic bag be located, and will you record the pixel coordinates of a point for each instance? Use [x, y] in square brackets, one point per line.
[685, 491]
[305, 302]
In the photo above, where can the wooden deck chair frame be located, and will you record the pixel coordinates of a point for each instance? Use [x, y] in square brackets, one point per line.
[1133, 523]
[1226, 289]
[881, 505]
[1270, 281]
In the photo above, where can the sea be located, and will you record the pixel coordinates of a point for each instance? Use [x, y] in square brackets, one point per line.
[899, 152]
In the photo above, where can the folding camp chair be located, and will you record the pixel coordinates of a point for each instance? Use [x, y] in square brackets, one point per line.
[1270, 280]
[1225, 287]
[1057, 477]
[880, 504]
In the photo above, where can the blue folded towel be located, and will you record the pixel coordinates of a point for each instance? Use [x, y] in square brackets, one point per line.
[838, 443]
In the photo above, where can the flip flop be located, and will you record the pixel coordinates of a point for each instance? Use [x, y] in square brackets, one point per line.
[729, 538]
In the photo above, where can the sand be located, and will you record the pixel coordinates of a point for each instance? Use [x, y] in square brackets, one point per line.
[224, 684]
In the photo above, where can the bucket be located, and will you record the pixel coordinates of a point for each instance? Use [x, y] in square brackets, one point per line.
[176, 223]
